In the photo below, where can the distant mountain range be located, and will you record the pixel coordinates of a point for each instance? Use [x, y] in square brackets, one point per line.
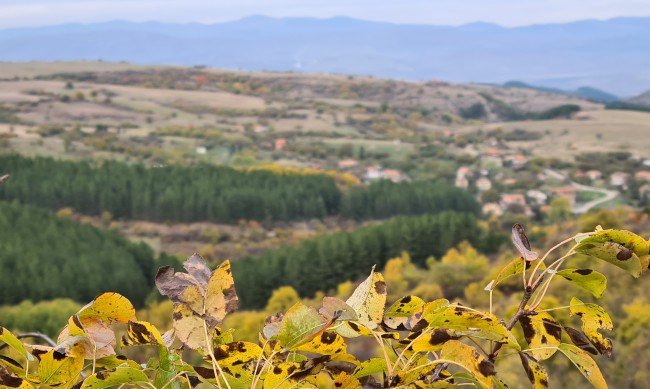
[584, 92]
[611, 55]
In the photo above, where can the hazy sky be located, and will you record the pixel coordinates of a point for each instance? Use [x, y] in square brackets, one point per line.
[18, 13]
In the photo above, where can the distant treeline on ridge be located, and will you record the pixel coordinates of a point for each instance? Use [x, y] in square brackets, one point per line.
[211, 193]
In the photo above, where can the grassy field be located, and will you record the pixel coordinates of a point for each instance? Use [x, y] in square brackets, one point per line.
[598, 130]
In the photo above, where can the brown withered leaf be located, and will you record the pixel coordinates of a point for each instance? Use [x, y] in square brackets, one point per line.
[199, 295]
[522, 244]
[88, 338]
[4, 178]
[580, 340]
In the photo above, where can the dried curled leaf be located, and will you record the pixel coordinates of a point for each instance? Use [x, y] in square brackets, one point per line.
[580, 340]
[199, 296]
[542, 333]
[520, 240]
[8, 380]
[593, 318]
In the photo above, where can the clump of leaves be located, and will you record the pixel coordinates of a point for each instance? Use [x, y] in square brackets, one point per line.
[424, 344]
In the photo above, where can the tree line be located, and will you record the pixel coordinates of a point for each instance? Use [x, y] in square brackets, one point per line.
[43, 257]
[322, 263]
[212, 193]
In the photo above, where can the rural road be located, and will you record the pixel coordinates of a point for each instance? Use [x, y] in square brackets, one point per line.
[583, 208]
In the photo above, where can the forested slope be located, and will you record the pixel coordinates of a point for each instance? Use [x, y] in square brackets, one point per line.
[43, 256]
[212, 193]
[322, 263]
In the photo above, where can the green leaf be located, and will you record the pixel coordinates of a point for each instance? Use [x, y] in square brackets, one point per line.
[513, 268]
[541, 331]
[371, 366]
[114, 377]
[587, 279]
[537, 375]
[469, 359]
[585, 364]
[618, 247]
[15, 343]
[299, 325]
[593, 318]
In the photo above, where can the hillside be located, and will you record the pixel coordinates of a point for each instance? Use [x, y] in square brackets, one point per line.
[642, 99]
[601, 54]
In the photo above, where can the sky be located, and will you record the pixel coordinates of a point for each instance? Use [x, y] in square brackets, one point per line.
[510, 13]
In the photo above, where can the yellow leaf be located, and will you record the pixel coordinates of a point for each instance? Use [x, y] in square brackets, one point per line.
[327, 343]
[593, 318]
[369, 299]
[238, 358]
[585, 364]
[189, 327]
[401, 311]
[109, 307]
[279, 377]
[56, 368]
[345, 381]
[433, 341]
[220, 296]
[540, 331]
[537, 375]
[141, 333]
[469, 359]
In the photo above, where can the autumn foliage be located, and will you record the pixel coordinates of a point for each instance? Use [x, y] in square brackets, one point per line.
[420, 344]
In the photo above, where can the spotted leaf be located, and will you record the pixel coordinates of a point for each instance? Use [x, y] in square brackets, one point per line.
[580, 340]
[472, 323]
[585, 364]
[115, 377]
[346, 381]
[536, 373]
[618, 247]
[587, 279]
[469, 359]
[401, 311]
[543, 333]
[327, 343]
[56, 368]
[141, 333]
[593, 318]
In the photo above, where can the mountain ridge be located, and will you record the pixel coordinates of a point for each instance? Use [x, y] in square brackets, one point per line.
[605, 55]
